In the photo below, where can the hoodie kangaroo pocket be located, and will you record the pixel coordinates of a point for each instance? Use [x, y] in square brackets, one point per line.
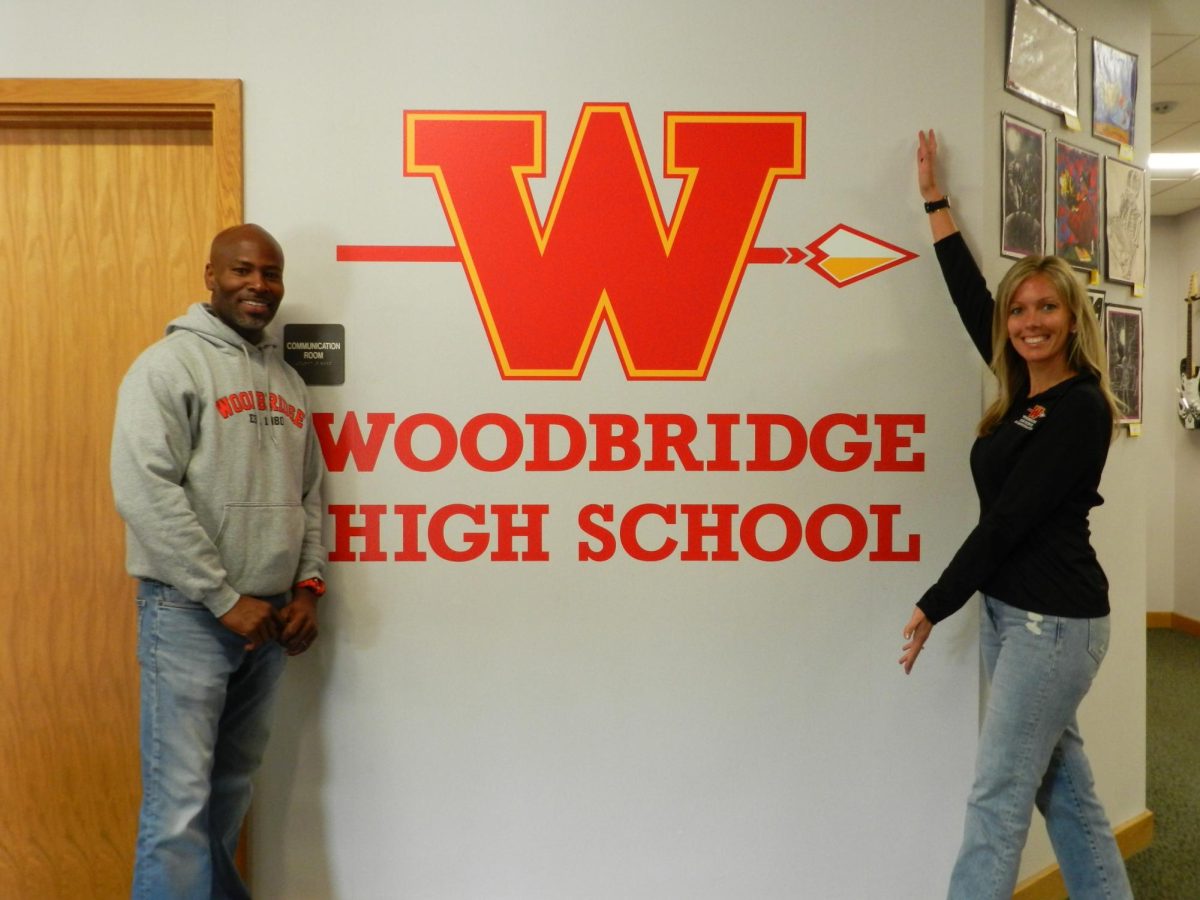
[260, 546]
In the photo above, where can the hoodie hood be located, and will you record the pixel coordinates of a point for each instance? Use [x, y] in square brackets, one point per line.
[201, 320]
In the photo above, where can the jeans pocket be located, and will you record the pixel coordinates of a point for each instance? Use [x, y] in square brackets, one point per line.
[1098, 633]
[173, 598]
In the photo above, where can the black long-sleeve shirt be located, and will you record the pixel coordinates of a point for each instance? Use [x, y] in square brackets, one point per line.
[1037, 476]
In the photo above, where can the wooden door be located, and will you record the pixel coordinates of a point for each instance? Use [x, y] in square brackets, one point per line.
[109, 194]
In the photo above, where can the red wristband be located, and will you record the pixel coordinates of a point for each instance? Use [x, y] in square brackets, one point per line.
[316, 585]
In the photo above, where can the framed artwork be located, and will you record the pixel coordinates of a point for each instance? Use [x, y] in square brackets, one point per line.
[1123, 338]
[1043, 58]
[1023, 204]
[1124, 221]
[1077, 205]
[1096, 296]
[1114, 92]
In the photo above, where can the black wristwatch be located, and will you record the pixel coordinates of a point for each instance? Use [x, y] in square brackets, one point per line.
[933, 206]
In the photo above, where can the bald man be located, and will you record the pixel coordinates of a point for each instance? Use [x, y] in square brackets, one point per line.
[217, 474]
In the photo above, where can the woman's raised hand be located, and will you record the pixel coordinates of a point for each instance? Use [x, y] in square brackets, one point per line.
[927, 166]
[941, 221]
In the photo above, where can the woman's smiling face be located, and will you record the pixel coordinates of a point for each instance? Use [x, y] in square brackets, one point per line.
[1039, 323]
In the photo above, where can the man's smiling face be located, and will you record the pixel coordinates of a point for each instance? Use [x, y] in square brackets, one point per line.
[245, 276]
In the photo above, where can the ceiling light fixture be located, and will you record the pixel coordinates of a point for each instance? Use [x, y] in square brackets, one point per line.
[1175, 162]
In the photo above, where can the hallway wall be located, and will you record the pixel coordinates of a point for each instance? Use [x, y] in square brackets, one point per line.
[681, 728]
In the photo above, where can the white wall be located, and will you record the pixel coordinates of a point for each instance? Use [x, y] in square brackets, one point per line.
[1181, 234]
[1164, 439]
[637, 730]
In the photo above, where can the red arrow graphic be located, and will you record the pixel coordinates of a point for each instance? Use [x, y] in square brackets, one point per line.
[386, 253]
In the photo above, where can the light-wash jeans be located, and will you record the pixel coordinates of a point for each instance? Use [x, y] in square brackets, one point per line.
[205, 719]
[1030, 752]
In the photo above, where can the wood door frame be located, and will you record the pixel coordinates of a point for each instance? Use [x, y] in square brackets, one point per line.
[214, 104]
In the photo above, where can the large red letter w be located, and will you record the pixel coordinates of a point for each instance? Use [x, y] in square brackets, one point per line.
[606, 251]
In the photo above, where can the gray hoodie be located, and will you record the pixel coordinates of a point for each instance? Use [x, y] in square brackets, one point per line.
[215, 466]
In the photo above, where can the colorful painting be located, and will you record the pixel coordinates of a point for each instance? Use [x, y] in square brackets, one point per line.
[1023, 206]
[1114, 93]
[1077, 206]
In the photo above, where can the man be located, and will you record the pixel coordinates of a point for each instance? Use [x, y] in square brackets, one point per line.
[217, 474]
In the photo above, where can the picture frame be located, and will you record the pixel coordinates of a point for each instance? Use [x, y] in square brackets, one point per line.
[1096, 296]
[1123, 343]
[1124, 222]
[1077, 205]
[1114, 92]
[1023, 188]
[1043, 58]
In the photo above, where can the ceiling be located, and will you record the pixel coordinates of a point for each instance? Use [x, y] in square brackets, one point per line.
[1174, 80]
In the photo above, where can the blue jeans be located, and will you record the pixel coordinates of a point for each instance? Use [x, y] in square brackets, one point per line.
[205, 713]
[1030, 753]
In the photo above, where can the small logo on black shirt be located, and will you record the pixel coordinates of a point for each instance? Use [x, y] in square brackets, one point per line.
[1032, 416]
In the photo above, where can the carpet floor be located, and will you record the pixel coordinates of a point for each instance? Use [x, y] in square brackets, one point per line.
[1170, 868]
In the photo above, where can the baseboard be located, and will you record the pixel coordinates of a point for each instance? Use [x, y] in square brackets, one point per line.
[1174, 621]
[1132, 837]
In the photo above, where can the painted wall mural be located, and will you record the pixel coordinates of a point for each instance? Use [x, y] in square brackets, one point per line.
[606, 256]
[653, 426]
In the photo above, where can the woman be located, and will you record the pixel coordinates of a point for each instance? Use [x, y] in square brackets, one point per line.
[1036, 463]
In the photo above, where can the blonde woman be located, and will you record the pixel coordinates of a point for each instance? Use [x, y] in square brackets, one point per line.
[1036, 462]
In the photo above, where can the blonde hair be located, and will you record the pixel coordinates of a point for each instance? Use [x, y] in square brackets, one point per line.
[1085, 347]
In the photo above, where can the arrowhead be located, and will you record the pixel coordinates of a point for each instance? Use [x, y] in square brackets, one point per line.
[844, 255]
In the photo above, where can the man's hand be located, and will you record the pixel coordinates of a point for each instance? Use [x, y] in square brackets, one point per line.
[299, 622]
[254, 619]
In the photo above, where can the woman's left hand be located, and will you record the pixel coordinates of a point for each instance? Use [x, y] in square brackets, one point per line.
[927, 181]
[916, 632]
